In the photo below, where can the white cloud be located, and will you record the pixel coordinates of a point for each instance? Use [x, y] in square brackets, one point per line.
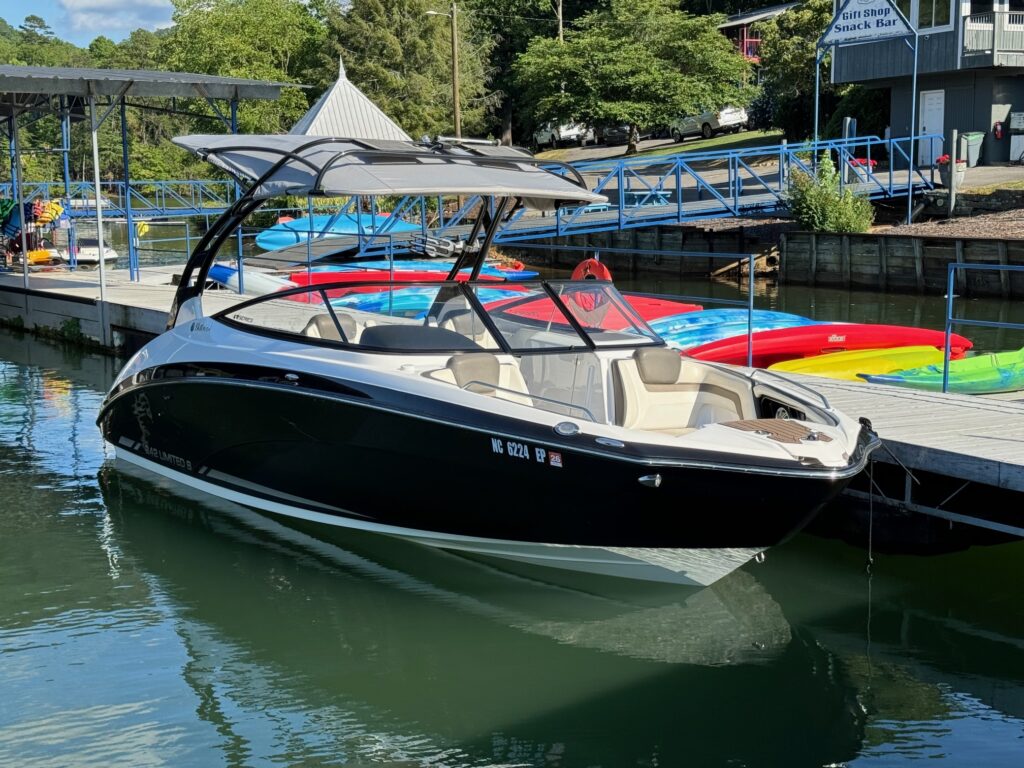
[114, 18]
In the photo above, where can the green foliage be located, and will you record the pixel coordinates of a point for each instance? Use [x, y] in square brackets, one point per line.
[788, 50]
[259, 39]
[640, 62]
[401, 58]
[819, 205]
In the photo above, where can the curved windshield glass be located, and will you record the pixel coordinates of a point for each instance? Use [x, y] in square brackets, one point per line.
[440, 316]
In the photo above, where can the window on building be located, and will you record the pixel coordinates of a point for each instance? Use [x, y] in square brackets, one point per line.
[929, 14]
[1016, 6]
[983, 6]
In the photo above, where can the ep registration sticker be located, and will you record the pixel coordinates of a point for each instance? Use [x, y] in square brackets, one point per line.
[514, 449]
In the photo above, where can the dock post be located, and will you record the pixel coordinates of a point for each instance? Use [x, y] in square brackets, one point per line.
[918, 263]
[883, 263]
[844, 255]
[18, 188]
[133, 255]
[1004, 276]
[952, 174]
[812, 273]
[65, 145]
[94, 126]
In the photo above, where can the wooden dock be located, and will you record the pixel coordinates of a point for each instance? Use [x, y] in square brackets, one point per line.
[956, 457]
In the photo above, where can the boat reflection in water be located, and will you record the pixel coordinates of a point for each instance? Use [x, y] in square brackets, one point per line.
[404, 652]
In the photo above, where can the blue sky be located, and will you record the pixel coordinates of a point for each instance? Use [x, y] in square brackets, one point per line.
[82, 20]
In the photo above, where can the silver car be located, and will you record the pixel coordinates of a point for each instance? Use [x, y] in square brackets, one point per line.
[552, 135]
[708, 123]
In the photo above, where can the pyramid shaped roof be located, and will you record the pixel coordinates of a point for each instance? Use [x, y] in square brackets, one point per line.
[345, 111]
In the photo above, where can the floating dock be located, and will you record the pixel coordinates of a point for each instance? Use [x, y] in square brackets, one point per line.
[959, 458]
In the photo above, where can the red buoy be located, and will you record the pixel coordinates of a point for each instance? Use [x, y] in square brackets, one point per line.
[591, 269]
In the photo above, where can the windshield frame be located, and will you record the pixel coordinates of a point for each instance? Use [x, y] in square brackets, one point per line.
[646, 336]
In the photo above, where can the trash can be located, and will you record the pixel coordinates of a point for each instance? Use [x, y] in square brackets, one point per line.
[970, 147]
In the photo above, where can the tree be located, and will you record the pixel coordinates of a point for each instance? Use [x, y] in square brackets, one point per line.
[788, 50]
[511, 25]
[641, 63]
[259, 39]
[401, 59]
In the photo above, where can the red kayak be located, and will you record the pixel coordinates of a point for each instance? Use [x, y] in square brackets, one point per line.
[783, 344]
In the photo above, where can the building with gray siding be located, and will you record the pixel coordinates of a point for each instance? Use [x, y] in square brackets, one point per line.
[970, 70]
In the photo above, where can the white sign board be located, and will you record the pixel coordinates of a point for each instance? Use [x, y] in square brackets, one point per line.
[862, 21]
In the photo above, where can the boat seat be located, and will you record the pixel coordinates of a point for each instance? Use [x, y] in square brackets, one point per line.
[415, 338]
[484, 374]
[656, 390]
[466, 323]
[323, 327]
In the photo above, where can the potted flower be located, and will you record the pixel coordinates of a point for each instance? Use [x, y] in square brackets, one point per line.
[943, 162]
[863, 166]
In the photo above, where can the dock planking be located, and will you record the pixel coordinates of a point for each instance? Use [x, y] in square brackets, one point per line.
[973, 438]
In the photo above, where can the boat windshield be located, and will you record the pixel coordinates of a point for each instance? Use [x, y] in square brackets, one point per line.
[517, 318]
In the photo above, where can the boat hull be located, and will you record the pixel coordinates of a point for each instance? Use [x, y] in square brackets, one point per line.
[457, 478]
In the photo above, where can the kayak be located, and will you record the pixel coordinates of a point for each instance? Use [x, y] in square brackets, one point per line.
[411, 301]
[782, 344]
[255, 283]
[288, 233]
[849, 365]
[421, 265]
[694, 328]
[978, 375]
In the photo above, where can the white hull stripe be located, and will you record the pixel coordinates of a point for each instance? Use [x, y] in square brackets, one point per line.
[671, 565]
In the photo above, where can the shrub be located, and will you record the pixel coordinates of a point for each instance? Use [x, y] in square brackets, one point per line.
[819, 205]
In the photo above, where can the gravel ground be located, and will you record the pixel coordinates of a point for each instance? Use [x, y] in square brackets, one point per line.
[1005, 224]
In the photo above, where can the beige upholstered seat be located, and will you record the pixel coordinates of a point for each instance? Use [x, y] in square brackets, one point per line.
[656, 390]
[484, 374]
[323, 327]
[457, 316]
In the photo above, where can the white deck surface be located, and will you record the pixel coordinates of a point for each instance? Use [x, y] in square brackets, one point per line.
[965, 436]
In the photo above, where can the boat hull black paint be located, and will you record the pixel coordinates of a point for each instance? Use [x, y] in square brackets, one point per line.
[353, 457]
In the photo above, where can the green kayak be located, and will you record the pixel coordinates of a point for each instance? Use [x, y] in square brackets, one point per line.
[978, 375]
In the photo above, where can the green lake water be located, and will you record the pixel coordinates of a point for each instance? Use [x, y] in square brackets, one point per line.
[140, 626]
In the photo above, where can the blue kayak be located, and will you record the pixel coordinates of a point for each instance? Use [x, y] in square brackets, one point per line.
[412, 301]
[288, 233]
[691, 329]
[423, 265]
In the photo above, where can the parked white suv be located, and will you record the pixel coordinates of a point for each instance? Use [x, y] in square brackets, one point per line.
[551, 135]
[708, 123]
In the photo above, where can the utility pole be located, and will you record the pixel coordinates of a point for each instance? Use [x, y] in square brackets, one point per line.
[455, 71]
[558, 11]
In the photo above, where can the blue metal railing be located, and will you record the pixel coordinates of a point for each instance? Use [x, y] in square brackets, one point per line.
[643, 191]
[176, 197]
[951, 270]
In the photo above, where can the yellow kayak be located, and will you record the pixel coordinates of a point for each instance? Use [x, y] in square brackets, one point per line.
[846, 365]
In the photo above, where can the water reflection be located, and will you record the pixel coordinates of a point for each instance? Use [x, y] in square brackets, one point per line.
[144, 626]
[505, 666]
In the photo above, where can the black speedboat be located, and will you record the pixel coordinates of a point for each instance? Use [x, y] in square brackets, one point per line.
[540, 421]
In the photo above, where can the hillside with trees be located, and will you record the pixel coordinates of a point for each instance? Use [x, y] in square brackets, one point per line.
[636, 62]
